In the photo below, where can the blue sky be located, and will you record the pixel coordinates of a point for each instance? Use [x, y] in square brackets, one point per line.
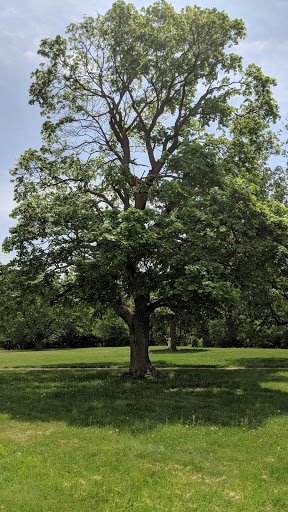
[23, 23]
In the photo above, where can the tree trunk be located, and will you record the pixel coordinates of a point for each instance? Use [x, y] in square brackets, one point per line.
[38, 342]
[231, 330]
[173, 334]
[203, 331]
[138, 323]
[140, 363]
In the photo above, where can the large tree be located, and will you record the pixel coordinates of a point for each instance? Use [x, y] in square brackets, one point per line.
[120, 94]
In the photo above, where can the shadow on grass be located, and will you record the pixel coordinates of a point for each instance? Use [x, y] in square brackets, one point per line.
[262, 362]
[164, 363]
[180, 351]
[102, 365]
[240, 398]
[252, 362]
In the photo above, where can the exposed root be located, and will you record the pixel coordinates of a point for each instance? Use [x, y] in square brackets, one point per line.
[153, 372]
[150, 372]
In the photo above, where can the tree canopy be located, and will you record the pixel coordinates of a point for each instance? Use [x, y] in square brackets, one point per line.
[132, 191]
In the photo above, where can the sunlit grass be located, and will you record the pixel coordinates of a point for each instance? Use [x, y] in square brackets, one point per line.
[203, 440]
[118, 357]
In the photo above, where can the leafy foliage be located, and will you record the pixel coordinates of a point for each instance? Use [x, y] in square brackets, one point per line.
[130, 191]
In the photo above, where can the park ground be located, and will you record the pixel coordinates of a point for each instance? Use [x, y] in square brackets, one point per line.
[211, 435]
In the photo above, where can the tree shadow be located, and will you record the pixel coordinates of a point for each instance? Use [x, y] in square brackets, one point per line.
[179, 351]
[237, 398]
[262, 362]
[101, 365]
[165, 363]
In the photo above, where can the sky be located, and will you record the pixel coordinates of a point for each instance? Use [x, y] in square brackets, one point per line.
[23, 23]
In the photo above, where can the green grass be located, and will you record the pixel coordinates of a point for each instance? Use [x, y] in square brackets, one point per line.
[118, 357]
[204, 440]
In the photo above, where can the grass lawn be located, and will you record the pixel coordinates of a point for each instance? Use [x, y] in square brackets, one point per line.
[118, 357]
[201, 440]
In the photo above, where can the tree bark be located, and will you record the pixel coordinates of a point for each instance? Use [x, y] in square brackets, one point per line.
[173, 334]
[38, 342]
[140, 362]
[231, 330]
[203, 330]
[138, 323]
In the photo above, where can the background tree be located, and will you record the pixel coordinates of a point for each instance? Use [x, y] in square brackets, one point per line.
[120, 94]
[36, 312]
[31, 313]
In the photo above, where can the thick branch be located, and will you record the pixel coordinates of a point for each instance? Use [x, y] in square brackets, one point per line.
[98, 194]
[122, 310]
